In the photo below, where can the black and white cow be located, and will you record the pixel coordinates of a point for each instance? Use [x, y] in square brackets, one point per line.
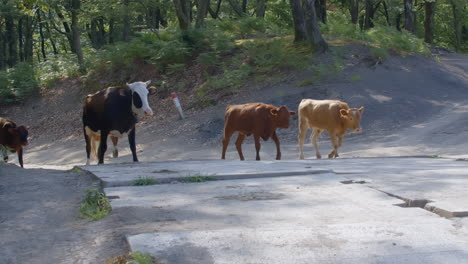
[114, 111]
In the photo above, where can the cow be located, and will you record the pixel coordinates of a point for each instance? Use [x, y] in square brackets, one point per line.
[114, 111]
[12, 138]
[258, 119]
[331, 115]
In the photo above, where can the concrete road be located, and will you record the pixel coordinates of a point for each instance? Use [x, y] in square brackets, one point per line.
[376, 210]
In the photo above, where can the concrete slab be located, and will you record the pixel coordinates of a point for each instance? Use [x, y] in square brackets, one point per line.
[302, 219]
[442, 182]
[165, 172]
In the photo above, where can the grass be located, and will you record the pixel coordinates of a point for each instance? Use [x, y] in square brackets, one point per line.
[76, 169]
[144, 181]
[305, 83]
[136, 257]
[95, 205]
[197, 178]
[355, 78]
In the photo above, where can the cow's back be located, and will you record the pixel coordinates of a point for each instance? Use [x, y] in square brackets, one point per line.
[322, 114]
[109, 109]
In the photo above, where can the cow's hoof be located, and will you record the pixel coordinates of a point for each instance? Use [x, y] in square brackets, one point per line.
[301, 157]
[115, 154]
[319, 156]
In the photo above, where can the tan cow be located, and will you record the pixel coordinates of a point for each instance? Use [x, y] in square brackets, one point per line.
[331, 115]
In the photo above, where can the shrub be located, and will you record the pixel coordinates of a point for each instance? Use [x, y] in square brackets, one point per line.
[95, 205]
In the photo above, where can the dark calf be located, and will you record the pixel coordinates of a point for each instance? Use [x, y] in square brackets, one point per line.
[12, 138]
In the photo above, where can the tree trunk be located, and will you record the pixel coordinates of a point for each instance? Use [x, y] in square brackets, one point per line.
[2, 49]
[314, 35]
[214, 14]
[75, 8]
[244, 6]
[387, 17]
[354, 10]
[51, 39]
[409, 15]
[41, 34]
[68, 32]
[457, 24]
[369, 16]
[429, 9]
[321, 10]
[20, 39]
[28, 38]
[182, 8]
[298, 20]
[236, 8]
[11, 38]
[201, 12]
[126, 22]
[111, 30]
[261, 7]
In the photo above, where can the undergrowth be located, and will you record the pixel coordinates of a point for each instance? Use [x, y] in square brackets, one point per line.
[144, 181]
[95, 205]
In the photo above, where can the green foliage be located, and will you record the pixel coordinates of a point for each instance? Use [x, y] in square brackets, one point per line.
[355, 78]
[17, 83]
[139, 257]
[56, 68]
[305, 83]
[379, 54]
[380, 36]
[144, 181]
[197, 178]
[95, 205]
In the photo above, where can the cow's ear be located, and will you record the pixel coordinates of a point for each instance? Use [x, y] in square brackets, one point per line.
[292, 113]
[274, 111]
[148, 83]
[152, 90]
[361, 109]
[344, 112]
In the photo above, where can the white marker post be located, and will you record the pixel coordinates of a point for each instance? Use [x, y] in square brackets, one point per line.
[177, 104]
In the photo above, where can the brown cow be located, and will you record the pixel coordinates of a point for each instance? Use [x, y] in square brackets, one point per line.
[331, 115]
[12, 138]
[258, 119]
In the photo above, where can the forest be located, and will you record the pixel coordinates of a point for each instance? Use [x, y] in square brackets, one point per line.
[222, 42]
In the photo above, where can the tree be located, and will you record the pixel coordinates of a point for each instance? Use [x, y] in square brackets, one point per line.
[202, 9]
[314, 35]
[409, 20]
[300, 33]
[74, 10]
[429, 9]
[182, 8]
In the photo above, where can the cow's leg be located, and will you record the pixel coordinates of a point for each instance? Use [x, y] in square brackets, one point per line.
[115, 151]
[257, 146]
[303, 127]
[4, 153]
[20, 156]
[131, 140]
[313, 138]
[340, 141]
[334, 140]
[227, 137]
[277, 143]
[102, 146]
[240, 139]
[88, 147]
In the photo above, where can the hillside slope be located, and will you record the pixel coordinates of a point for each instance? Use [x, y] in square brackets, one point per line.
[414, 106]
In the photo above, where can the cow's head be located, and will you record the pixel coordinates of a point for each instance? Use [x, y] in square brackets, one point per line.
[352, 118]
[18, 135]
[281, 116]
[140, 91]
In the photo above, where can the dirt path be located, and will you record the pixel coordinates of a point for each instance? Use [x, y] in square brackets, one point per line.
[39, 219]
